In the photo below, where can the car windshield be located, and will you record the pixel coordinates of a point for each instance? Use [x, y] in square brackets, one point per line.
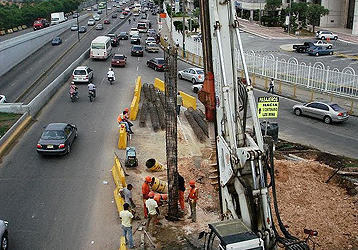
[336, 107]
[118, 57]
[123, 33]
[53, 135]
[161, 61]
[200, 71]
[152, 45]
[98, 46]
[80, 72]
[137, 48]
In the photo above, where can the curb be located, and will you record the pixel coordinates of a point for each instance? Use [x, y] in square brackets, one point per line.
[14, 132]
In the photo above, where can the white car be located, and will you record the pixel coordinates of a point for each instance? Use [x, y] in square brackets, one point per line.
[195, 75]
[97, 17]
[82, 74]
[91, 22]
[2, 99]
[133, 31]
[324, 34]
[324, 44]
[122, 17]
[4, 244]
[150, 40]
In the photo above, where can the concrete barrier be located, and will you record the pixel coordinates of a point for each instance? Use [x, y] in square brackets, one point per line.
[122, 138]
[159, 84]
[16, 108]
[123, 244]
[134, 109]
[120, 181]
[188, 100]
[138, 87]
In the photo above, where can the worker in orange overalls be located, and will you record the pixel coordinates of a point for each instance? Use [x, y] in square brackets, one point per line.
[160, 199]
[193, 198]
[122, 119]
[181, 190]
[145, 192]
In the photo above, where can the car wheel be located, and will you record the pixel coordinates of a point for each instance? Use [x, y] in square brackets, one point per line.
[329, 47]
[180, 76]
[317, 54]
[327, 119]
[195, 90]
[4, 242]
[156, 68]
[193, 80]
[331, 52]
[335, 38]
[323, 38]
[68, 149]
[76, 133]
[298, 112]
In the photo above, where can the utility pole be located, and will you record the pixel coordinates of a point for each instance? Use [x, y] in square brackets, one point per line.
[78, 26]
[289, 19]
[106, 6]
[184, 13]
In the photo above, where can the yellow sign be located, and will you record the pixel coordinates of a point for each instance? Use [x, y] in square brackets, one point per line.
[267, 107]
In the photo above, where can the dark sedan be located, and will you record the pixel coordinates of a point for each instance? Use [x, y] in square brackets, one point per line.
[82, 29]
[56, 41]
[114, 39]
[114, 15]
[137, 50]
[319, 51]
[123, 35]
[57, 139]
[119, 60]
[158, 64]
[135, 39]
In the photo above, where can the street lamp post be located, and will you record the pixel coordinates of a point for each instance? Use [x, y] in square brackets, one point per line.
[78, 26]
[184, 12]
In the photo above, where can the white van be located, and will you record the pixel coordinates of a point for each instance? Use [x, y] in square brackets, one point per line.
[101, 48]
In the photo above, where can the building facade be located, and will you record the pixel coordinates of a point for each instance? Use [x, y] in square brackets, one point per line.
[342, 13]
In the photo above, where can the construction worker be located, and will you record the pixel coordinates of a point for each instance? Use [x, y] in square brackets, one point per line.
[126, 194]
[179, 103]
[121, 119]
[160, 199]
[193, 198]
[145, 192]
[181, 190]
[126, 218]
[153, 213]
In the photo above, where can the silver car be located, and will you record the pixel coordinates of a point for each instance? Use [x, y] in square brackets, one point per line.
[4, 235]
[195, 75]
[326, 111]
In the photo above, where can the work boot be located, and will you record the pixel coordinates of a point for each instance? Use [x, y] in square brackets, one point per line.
[190, 217]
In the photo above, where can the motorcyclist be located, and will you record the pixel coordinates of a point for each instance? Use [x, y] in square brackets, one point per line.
[110, 74]
[92, 87]
[73, 89]
[129, 21]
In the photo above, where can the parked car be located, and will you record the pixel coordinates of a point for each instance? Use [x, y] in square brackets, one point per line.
[319, 51]
[56, 40]
[326, 111]
[195, 75]
[75, 15]
[4, 244]
[106, 21]
[123, 35]
[152, 47]
[57, 139]
[82, 74]
[82, 29]
[324, 34]
[137, 50]
[150, 40]
[114, 16]
[2, 99]
[114, 39]
[119, 60]
[99, 26]
[135, 39]
[91, 22]
[158, 64]
[74, 27]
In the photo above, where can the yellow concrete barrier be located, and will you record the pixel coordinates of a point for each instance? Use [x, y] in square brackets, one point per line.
[122, 140]
[119, 200]
[134, 109]
[188, 100]
[123, 243]
[118, 174]
[159, 84]
[138, 88]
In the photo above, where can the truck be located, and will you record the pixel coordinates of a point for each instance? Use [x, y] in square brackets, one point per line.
[40, 23]
[135, 11]
[57, 17]
[306, 46]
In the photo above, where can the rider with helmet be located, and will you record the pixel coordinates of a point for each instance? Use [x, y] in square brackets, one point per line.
[92, 87]
[73, 89]
[110, 74]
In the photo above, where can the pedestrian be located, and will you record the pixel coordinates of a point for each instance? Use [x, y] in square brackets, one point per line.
[177, 43]
[193, 198]
[181, 189]
[145, 193]
[179, 103]
[153, 213]
[126, 218]
[271, 87]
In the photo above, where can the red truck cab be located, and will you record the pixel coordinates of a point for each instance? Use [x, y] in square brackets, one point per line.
[40, 23]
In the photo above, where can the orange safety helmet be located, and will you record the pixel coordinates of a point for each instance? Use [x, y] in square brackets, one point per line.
[191, 182]
[148, 179]
[151, 194]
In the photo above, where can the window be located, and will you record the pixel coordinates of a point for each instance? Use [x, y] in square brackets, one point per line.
[312, 105]
[98, 46]
[336, 107]
[322, 106]
[80, 72]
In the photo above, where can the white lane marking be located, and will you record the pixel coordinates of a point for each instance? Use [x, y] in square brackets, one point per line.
[340, 59]
[137, 68]
[138, 58]
[119, 49]
[40, 61]
[65, 40]
[103, 80]
[15, 82]
[353, 63]
[50, 53]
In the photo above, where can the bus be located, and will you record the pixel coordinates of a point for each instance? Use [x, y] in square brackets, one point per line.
[102, 5]
[101, 48]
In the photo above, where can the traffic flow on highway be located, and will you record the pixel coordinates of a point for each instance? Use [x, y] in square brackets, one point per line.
[60, 202]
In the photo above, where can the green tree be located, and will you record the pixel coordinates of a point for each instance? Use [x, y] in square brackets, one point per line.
[271, 8]
[299, 10]
[273, 5]
[314, 14]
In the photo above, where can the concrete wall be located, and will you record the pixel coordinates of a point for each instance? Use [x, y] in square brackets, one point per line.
[14, 50]
[333, 19]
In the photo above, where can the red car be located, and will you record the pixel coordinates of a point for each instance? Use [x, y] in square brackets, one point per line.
[107, 21]
[125, 13]
[119, 60]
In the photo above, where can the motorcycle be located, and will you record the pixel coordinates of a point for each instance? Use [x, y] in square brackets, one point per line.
[73, 96]
[91, 95]
[111, 80]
